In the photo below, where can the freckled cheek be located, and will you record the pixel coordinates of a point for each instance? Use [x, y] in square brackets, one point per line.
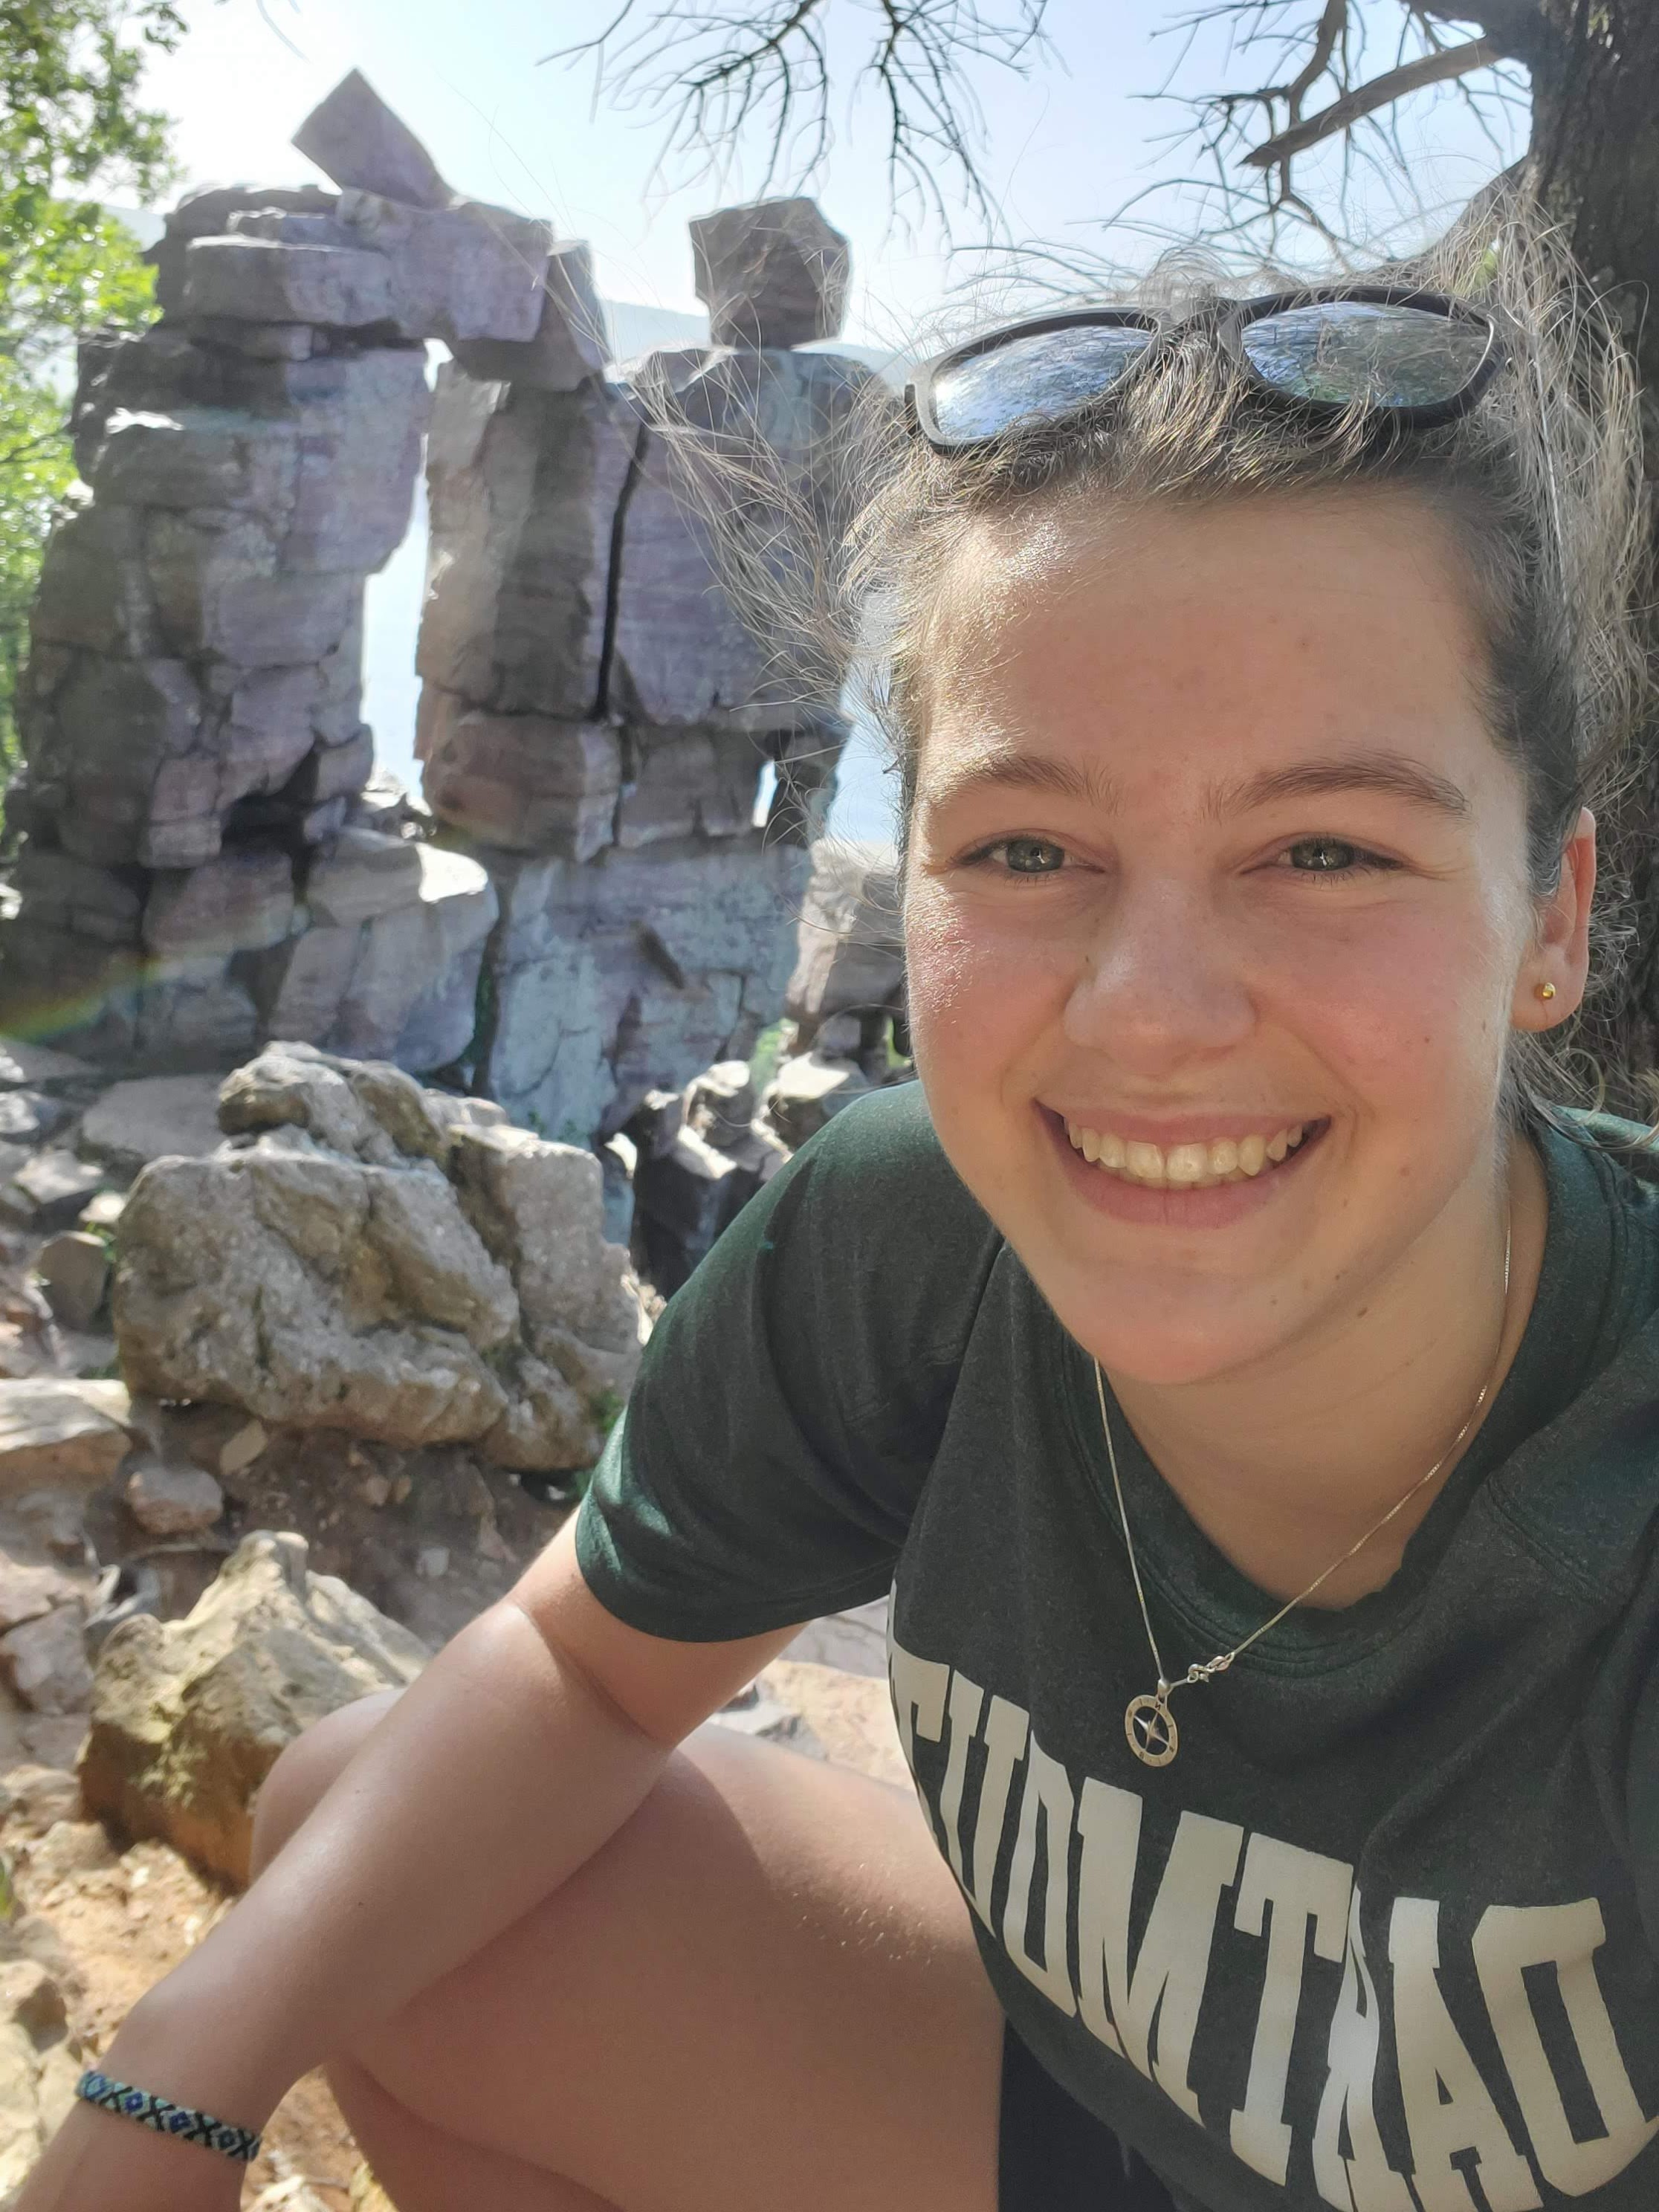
[975, 988]
[1412, 1015]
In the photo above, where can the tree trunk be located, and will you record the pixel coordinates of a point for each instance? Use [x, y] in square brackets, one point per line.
[1594, 164]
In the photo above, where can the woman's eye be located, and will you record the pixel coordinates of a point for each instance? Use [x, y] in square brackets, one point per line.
[1030, 856]
[1328, 856]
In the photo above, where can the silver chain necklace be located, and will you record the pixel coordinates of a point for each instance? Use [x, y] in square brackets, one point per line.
[1147, 1721]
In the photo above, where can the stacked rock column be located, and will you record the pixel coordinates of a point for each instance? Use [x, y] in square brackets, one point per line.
[198, 868]
[596, 719]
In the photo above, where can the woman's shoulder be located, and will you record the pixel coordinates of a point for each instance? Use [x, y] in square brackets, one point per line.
[880, 1158]
[870, 1215]
[837, 1305]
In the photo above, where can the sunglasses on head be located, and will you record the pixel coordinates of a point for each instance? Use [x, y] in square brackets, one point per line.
[1419, 358]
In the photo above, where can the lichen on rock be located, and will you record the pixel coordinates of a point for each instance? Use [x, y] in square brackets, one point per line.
[188, 1717]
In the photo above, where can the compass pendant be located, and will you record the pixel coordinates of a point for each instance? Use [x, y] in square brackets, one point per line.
[1149, 1726]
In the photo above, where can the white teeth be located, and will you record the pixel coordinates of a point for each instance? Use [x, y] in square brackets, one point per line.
[1186, 1167]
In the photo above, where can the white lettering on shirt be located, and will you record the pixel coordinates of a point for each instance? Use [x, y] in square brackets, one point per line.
[1166, 1986]
[1306, 1891]
[1363, 2181]
[1048, 1800]
[1449, 2108]
[1509, 1939]
[1406, 2050]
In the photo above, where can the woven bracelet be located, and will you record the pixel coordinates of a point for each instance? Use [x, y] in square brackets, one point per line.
[167, 2118]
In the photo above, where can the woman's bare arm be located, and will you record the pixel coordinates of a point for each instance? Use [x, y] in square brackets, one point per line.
[516, 1755]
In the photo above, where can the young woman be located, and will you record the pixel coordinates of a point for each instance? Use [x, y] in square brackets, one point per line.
[1247, 1387]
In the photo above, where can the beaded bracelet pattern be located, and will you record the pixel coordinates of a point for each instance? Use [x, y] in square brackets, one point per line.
[167, 2118]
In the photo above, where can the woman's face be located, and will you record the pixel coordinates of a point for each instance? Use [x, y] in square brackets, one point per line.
[1212, 850]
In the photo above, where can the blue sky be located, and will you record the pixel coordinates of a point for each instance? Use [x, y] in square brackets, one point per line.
[1065, 147]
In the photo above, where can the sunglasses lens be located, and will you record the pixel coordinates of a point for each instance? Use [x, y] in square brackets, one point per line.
[1365, 352]
[1033, 379]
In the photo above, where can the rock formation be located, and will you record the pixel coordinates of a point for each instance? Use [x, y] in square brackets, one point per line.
[596, 719]
[367, 1256]
[775, 274]
[200, 869]
[203, 869]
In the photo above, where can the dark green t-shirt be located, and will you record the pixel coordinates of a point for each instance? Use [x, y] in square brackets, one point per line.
[1384, 1936]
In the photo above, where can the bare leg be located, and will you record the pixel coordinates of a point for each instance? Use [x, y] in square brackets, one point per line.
[763, 1990]
[418, 2165]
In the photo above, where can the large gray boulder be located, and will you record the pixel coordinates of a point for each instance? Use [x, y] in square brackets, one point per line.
[189, 1717]
[612, 980]
[356, 140]
[524, 782]
[364, 1255]
[773, 273]
[760, 438]
[389, 969]
[62, 1433]
[569, 345]
[134, 1123]
[206, 213]
[524, 485]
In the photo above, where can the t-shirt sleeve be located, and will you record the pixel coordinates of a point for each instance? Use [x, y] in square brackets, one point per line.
[794, 1393]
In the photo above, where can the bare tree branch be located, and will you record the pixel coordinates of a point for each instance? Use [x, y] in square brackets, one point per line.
[716, 74]
[1356, 63]
[1365, 100]
[1332, 25]
[1518, 28]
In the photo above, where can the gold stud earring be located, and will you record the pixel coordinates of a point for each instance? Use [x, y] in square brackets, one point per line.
[1547, 990]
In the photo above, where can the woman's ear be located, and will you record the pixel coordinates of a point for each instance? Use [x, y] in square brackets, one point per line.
[1551, 983]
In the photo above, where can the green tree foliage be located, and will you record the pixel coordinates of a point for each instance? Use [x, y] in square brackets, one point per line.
[72, 129]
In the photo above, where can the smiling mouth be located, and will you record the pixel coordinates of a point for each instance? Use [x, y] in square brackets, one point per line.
[1196, 1166]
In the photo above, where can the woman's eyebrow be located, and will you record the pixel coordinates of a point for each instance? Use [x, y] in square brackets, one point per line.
[1013, 767]
[1395, 775]
[1009, 767]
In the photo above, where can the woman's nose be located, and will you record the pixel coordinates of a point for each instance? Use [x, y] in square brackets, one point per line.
[1160, 982]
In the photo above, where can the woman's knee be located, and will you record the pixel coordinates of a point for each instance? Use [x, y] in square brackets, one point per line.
[307, 1768]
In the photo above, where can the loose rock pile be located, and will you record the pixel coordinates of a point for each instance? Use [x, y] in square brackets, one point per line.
[699, 1156]
[399, 1305]
[694, 1158]
[349, 1251]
